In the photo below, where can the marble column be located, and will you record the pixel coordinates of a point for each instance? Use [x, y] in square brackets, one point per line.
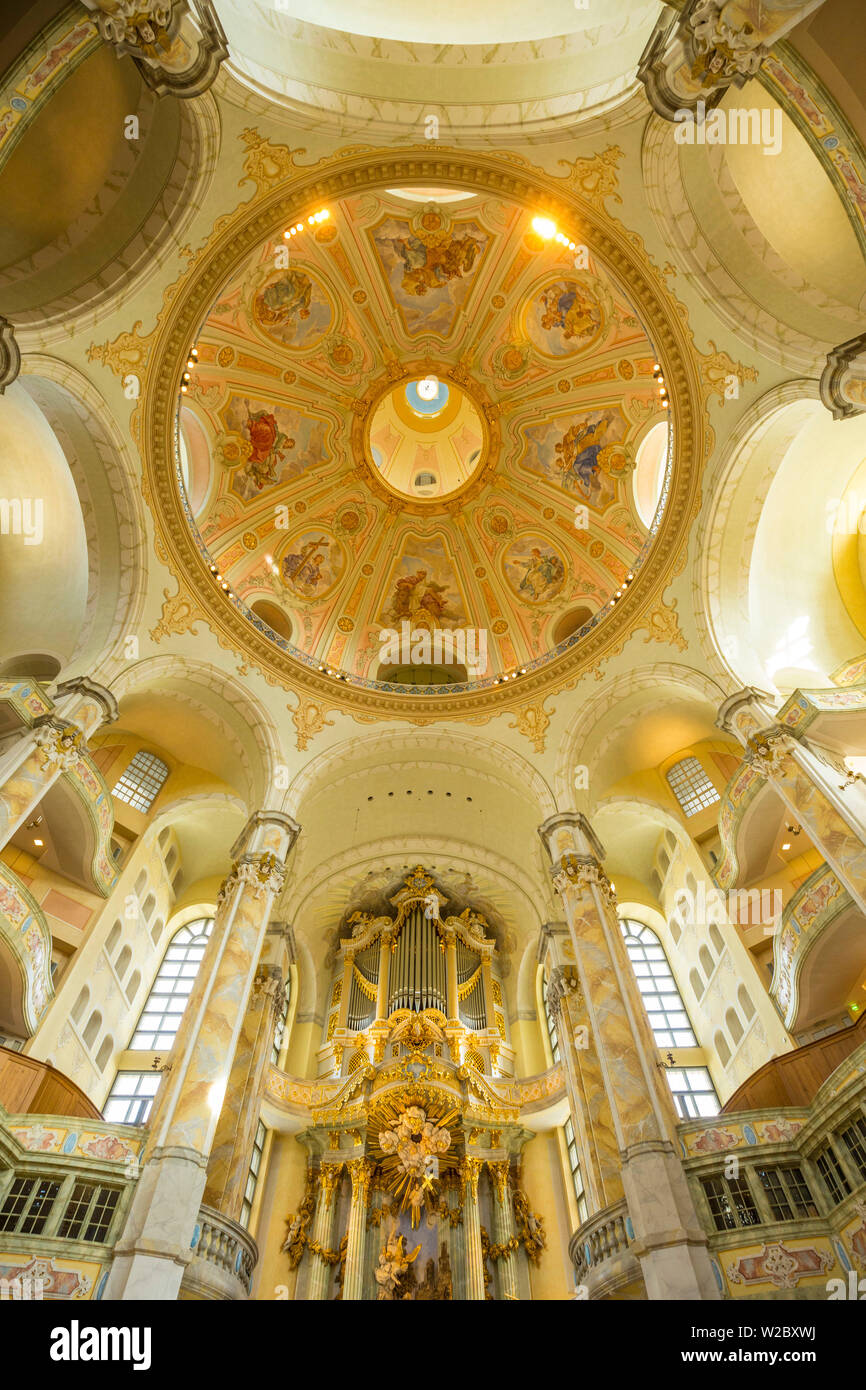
[807, 781]
[32, 763]
[669, 1240]
[600, 1164]
[323, 1231]
[470, 1172]
[229, 1164]
[503, 1229]
[154, 1248]
[360, 1171]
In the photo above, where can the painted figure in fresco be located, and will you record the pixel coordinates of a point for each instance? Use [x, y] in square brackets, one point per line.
[578, 452]
[427, 268]
[542, 572]
[269, 447]
[421, 600]
[286, 298]
[568, 307]
[303, 569]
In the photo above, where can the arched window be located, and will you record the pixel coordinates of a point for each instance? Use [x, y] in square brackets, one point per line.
[661, 997]
[716, 938]
[113, 938]
[696, 983]
[103, 1056]
[735, 1027]
[676, 930]
[91, 1032]
[132, 987]
[123, 962]
[80, 1005]
[140, 784]
[552, 1033]
[745, 1003]
[163, 1011]
[706, 961]
[722, 1049]
[691, 786]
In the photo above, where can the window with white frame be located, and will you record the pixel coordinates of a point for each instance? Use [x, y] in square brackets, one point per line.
[142, 781]
[130, 1099]
[693, 1092]
[253, 1175]
[574, 1165]
[661, 995]
[691, 786]
[163, 1010]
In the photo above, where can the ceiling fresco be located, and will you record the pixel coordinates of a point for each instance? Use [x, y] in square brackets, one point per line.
[346, 467]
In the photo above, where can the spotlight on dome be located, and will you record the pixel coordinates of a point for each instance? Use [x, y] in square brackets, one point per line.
[428, 389]
[544, 227]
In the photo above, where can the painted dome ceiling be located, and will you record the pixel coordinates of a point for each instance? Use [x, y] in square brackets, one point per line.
[422, 411]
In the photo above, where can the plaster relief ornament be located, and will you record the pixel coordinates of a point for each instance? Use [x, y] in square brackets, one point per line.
[61, 746]
[413, 1139]
[393, 1265]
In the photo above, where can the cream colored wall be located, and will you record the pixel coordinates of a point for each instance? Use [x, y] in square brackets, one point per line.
[282, 1189]
[553, 1276]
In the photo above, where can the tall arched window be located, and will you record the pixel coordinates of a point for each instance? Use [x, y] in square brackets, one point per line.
[142, 781]
[692, 1088]
[661, 996]
[163, 1011]
[691, 786]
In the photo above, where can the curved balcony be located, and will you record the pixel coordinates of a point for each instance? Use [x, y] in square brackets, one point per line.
[600, 1253]
[25, 958]
[224, 1257]
[805, 991]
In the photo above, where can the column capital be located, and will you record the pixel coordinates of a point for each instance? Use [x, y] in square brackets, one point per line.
[267, 830]
[570, 830]
[360, 1171]
[746, 712]
[499, 1170]
[582, 871]
[329, 1179]
[470, 1172]
[260, 873]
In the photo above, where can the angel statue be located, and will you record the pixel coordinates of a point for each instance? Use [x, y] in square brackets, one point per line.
[431, 907]
[393, 1264]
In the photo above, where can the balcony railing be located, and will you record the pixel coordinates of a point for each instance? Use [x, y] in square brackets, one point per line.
[600, 1253]
[224, 1257]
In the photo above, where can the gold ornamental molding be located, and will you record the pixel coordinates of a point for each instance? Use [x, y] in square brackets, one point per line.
[286, 191]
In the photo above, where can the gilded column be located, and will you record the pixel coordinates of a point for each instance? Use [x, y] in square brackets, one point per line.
[229, 1164]
[669, 1240]
[33, 762]
[155, 1246]
[384, 976]
[833, 814]
[503, 1230]
[360, 1172]
[470, 1172]
[452, 999]
[320, 1244]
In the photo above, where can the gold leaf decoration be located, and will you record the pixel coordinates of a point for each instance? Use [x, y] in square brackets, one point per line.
[309, 718]
[597, 178]
[718, 369]
[532, 721]
[663, 625]
[265, 164]
[178, 616]
[128, 352]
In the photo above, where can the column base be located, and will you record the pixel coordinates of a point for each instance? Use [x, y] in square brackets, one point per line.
[155, 1248]
[668, 1238]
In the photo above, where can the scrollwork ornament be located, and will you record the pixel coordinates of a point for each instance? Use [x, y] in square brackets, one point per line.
[581, 872]
[260, 873]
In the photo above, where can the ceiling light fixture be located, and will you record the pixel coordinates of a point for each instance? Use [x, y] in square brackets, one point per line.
[787, 844]
[544, 227]
[39, 843]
